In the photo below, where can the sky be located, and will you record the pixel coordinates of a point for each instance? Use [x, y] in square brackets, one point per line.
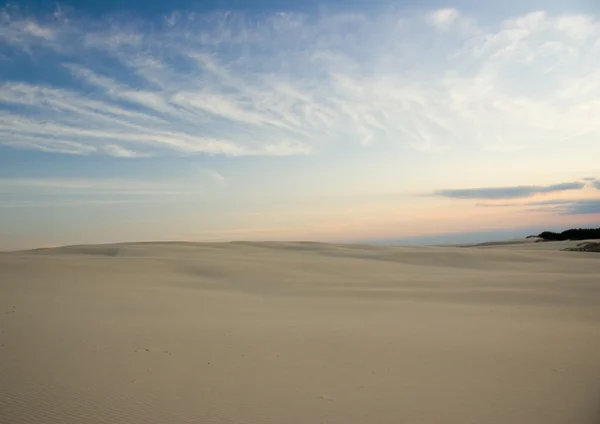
[283, 120]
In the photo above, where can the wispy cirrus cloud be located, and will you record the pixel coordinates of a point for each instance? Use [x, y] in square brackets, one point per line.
[216, 177]
[443, 18]
[511, 192]
[65, 192]
[583, 207]
[567, 207]
[555, 206]
[538, 203]
[73, 186]
[288, 83]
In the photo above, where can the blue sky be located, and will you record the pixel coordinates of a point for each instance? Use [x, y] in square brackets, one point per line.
[331, 121]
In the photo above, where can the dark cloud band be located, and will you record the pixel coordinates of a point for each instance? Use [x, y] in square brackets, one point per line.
[512, 192]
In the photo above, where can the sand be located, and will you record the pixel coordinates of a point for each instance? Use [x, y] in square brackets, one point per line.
[253, 333]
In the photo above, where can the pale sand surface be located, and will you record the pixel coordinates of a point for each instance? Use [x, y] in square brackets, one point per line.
[299, 333]
[533, 244]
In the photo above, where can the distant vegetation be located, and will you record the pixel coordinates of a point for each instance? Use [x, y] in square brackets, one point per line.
[572, 234]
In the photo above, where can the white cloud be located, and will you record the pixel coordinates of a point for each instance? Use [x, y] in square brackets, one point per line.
[90, 185]
[216, 177]
[443, 18]
[578, 27]
[36, 30]
[121, 152]
[61, 192]
[290, 84]
[530, 22]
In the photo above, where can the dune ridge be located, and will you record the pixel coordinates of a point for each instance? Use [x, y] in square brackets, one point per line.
[297, 332]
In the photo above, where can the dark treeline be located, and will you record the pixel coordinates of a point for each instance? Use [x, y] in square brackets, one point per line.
[572, 234]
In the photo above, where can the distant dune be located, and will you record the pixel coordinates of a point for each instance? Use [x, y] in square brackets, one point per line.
[586, 246]
[300, 332]
[540, 244]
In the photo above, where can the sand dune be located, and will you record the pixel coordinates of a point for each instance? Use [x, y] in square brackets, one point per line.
[299, 333]
[534, 244]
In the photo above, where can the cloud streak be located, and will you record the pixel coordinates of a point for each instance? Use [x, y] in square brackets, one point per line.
[562, 207]
[511, 192]
[66, 192]
[289, 84]
[568, 207]
[583, 207]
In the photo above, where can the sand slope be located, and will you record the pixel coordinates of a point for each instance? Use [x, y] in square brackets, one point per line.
[299, 333]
